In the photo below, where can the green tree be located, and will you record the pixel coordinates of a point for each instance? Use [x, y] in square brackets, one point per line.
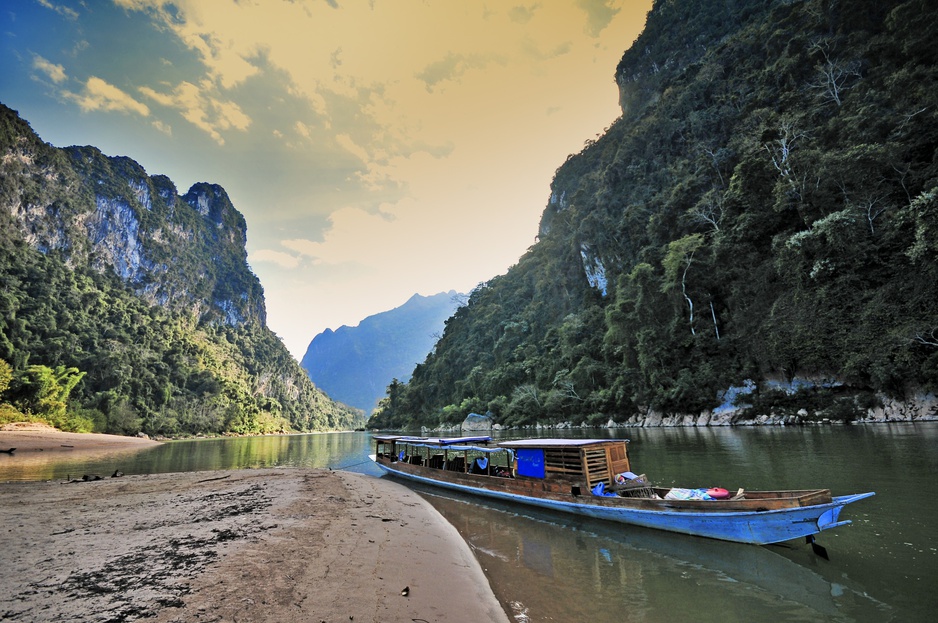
[6, 376]
[44, 392]
[677, 262]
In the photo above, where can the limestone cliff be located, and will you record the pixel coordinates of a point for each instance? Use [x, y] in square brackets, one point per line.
[111, 271]
[765, 208]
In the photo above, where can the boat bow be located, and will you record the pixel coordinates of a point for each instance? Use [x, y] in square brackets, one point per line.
[829, 519]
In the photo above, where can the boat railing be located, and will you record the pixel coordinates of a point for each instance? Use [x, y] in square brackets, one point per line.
[470, 459]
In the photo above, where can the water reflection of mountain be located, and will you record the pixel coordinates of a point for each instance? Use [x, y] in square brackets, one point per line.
[550, 567]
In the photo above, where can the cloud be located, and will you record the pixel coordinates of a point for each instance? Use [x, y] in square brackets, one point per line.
[376, 148]
[279, 258]
[531, 48]
[56, 73]
[215, 31]
[99, 95]
[301, 246]
[598, 15]
[164, 128]
[199, 106]
[353, 148]
[302, 129]
[360, 238]
[64, 11]
[522, 14]
[336, 58]
[452, 67]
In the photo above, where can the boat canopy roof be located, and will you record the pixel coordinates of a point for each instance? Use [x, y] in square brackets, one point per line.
[557, 443]
[458, 448]
[511, 445]
[430, 441]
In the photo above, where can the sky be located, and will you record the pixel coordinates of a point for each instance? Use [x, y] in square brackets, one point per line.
[377, 149]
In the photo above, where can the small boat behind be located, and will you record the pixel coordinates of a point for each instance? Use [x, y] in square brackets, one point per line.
[593, 477]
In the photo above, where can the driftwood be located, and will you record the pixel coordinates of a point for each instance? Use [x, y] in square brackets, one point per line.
[10, 451]
[92, 477]
[211, 479]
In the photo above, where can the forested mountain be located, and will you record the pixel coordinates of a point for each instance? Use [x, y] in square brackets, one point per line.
[126, 307]
[355, 364]
[764, 209]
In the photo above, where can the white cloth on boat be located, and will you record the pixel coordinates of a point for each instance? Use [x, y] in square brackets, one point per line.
[678, 493]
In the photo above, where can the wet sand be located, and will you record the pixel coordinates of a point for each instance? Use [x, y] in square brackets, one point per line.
[246, 545]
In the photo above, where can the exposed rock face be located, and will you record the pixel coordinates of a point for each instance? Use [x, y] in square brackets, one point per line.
[108, 270]
[107, 212]
[114, 230]
[594, 269]
[920, 407]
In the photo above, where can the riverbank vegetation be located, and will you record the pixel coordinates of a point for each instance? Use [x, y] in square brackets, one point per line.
[106, 361]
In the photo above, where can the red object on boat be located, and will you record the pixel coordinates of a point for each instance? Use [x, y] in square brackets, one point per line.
[718, 494]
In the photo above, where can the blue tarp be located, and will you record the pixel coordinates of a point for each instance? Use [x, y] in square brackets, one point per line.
[600, 489]
[530, 462]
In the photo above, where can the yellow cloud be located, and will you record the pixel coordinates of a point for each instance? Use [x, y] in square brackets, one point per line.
[55, 73]
[429, 131]
[302, 129]
[164, 128]
[99, 95]
[200, 106]
[374, 67]
[281, 259]
[211, 28]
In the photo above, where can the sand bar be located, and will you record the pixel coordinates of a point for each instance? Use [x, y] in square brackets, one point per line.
[39, 444]
[245, 545]
[28, 438]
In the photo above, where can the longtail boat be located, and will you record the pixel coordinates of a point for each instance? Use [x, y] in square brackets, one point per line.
[593, 477]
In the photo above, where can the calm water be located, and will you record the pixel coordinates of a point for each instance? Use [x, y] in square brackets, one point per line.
[551, 567]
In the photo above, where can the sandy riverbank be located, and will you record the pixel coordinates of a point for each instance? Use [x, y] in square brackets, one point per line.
[247, 545]
[29, 437]
[39, 444]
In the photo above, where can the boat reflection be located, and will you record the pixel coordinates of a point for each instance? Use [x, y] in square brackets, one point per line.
[547, 566]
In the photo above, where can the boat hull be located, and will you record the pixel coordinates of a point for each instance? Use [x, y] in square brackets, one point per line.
[758, 524]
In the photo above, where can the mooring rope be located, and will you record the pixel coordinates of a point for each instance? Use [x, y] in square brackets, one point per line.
[352, 464]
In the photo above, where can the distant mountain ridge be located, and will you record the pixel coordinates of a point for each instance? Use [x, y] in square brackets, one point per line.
[354, 365]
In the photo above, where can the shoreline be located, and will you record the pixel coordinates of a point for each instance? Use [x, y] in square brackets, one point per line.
[250, 545]
[43, 438]
[35, 446]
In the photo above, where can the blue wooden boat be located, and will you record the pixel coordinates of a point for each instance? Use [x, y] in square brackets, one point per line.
[593, 477]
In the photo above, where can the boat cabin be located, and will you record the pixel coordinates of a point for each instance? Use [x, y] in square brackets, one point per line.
[592, 460]
[572, 463]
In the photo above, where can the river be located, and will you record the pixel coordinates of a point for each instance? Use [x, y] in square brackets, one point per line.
[550, 567]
